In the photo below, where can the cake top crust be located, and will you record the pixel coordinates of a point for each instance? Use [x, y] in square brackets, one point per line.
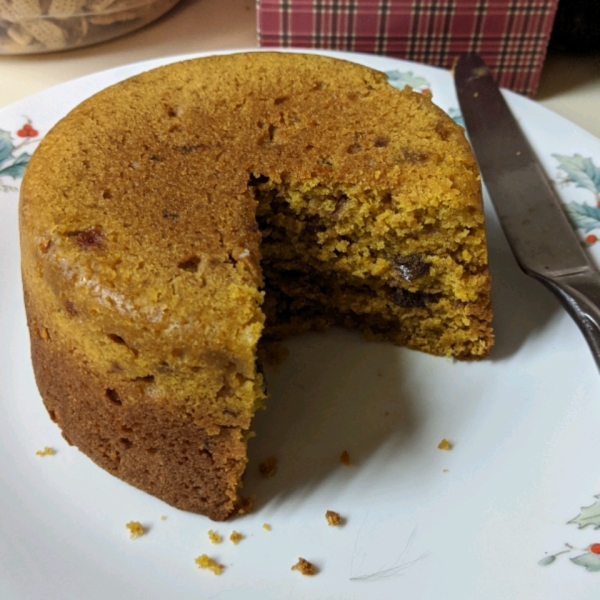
[137, 210]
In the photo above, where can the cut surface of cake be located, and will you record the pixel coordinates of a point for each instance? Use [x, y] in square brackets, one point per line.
[172, 220]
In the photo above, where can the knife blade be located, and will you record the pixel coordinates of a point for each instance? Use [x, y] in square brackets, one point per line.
[529, 211]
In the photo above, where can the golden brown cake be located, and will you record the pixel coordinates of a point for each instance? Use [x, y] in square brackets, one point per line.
[167, 216]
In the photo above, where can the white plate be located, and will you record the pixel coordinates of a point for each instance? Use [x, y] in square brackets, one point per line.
[525, 427]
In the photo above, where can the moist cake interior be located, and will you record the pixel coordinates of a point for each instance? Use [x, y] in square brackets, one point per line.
[347, 256]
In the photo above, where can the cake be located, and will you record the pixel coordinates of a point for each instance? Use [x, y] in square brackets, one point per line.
[333, 518]
[236, 537]
[136, 529]
[304, 567]
[172, 221]
[205, 562]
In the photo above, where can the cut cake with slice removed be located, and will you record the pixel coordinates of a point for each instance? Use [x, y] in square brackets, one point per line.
[144, 217]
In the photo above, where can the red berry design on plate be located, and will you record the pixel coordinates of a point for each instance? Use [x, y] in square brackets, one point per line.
[27, 131]
[590, 239]
[595, 548]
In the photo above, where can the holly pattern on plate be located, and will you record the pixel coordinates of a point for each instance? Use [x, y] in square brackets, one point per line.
[12, 160]
[582, 172]
[399, 79]
[589, 515]
[590, 559]
[456, 116]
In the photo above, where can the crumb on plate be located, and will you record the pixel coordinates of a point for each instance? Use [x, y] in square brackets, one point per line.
[135, 529]
[266, 526]
[214, 537]
[333, 518]
[236, 537]
[305, 567]
[163, 518]
[47, 451]
[273, 353]
[345, 458]
[445, 445]
[246, 505]
[268, 467]
[205, 562]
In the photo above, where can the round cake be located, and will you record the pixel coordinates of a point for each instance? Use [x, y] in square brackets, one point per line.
[172, 221]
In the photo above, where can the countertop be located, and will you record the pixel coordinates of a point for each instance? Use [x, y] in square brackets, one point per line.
[570, 85]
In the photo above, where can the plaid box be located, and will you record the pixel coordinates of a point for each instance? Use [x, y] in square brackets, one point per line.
[510, 35]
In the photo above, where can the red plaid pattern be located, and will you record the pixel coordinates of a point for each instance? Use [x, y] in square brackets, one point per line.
[510, 35]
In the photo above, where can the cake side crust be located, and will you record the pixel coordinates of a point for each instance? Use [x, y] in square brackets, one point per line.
[145, 443]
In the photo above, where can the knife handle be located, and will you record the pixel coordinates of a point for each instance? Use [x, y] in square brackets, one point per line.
[579, 293]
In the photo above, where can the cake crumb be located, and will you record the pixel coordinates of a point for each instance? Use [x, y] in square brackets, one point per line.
[266, 526]
[205, 562]
[445, 445]
[246, 505]
[444, 470]
[47, 451]
[214, 537]
[304, 567]
[272, 353]
[236, 537]
[163, 518]
[135, 529]
[268, 467]
[345, 458]
[333, 518]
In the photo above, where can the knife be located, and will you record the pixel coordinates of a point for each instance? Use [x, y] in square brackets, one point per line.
[529, 211]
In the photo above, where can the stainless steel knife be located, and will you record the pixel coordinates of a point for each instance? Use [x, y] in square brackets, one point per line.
[529, 211]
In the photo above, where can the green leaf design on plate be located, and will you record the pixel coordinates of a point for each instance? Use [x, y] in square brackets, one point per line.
[6, 146]
[17, 167]
[590, 515]
[456, 116]
[583, 216]
[590, 561]
[547, 560]
[581, 171]
[401, 78]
